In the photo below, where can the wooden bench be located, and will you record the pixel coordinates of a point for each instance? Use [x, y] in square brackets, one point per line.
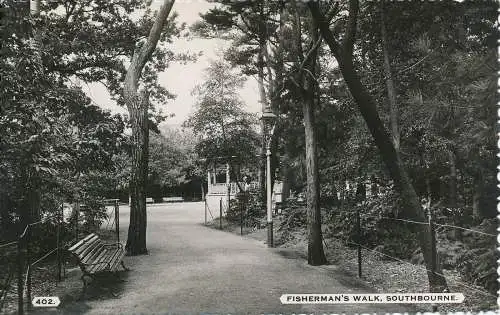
[95, 257]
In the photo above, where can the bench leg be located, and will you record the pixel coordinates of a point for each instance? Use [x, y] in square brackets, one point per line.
[123, 266]
[84, 282]
[84, 290]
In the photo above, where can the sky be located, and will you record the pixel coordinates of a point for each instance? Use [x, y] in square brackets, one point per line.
[181, 79]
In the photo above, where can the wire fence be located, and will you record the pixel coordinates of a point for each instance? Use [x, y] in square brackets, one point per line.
[430, 226]
[22, 258]
[223, 214]
[115, 214]
[31, 261]
[434, 268]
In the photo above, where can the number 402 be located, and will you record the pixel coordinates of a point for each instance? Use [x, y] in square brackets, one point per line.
[46, 301]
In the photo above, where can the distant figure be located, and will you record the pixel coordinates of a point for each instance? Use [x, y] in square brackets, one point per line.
[426, 205]
[246, 182]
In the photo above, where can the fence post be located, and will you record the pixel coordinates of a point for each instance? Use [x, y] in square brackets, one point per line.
[20, 289]
[205, 211]
[220, 213]
[64, 233]
[358, 240]
[28, 263]
[58, 241]
[117, 220]
[77, 218]
[433, 252]
[242, 208]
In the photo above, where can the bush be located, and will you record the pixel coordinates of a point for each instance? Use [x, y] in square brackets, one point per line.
[295, 214]
[251, 205]
[94, 213]
[388, 236]
[478, 262]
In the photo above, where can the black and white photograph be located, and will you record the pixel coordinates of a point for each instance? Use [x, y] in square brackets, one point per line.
[249, 157]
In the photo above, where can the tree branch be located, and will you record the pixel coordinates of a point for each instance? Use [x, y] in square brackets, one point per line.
[143, 53]
[311, 52]
[350, 38]
[73, 67]
[332, 12]
[311, 75]
[324, 26]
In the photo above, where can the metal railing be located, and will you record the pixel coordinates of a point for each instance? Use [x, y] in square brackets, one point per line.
[223, 207]
[434, 265]
[25, 259]
[116, 216]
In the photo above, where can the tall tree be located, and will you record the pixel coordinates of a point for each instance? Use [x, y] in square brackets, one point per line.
[254, 23]
[306, 83]
[138, 105]
[343, 53]
[391, 91]
[225, 130]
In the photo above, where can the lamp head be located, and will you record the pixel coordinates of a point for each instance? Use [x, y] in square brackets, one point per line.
[268, 118]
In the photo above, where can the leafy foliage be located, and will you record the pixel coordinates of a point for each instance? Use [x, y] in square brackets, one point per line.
[173, 158]
[225, 131]
[443, 62]
[54, 139]
[250, 204]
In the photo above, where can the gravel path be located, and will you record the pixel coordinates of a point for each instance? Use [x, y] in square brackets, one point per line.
[192, 269]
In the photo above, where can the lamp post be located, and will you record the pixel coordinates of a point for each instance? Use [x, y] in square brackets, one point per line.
[269, 122]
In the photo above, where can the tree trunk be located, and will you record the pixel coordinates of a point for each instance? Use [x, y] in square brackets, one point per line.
[33, 187]
[263, 100]
[136, 241]
[343, 192]
[315, 253]
[360, 191]
[374, 186]
[412, 208]
[477, 185]
[391, 91]
[275, 88]
[138, 110]
[25, 209]
[34, 200]
[202, 192]
[452, 197]
[287, 179]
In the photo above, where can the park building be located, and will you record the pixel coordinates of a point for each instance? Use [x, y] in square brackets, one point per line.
[221, 189]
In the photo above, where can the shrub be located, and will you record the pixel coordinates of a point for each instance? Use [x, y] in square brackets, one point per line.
[251, 205]
[378, 231]
[478, 262]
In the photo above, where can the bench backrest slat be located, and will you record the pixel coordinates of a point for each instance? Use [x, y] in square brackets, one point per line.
[85, 245]
[81, 242]
[101, 256]
[89, 248]
[94, 256]
[90, 256]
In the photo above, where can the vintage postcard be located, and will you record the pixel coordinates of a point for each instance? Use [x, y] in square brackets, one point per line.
[248, 157]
